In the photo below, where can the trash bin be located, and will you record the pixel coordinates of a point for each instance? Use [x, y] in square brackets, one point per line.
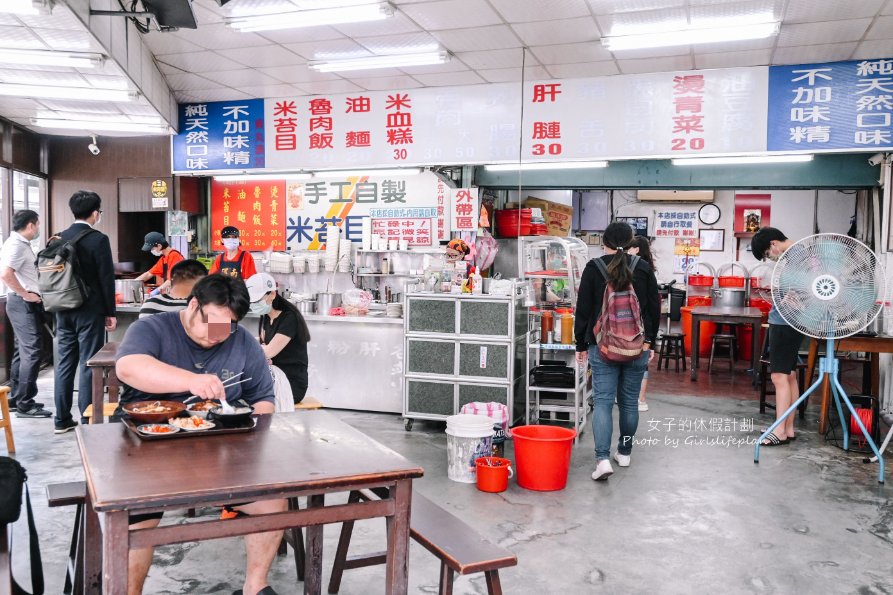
[677, 300]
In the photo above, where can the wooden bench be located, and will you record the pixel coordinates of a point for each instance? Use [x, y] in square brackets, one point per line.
[5, 423]
[108, 410]
[459, 547]
[72, 494]
[102, 365]
[308, 403]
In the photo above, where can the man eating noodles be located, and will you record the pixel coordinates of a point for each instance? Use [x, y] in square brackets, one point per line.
[174, 355]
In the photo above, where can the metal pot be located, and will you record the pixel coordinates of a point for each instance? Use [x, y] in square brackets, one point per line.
[327, 301]
[131, 290]
[307, 307]
[727, 297]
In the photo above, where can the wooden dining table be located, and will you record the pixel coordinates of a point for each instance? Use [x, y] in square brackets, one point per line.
[725, 315]
[872, 345]
[287, 455]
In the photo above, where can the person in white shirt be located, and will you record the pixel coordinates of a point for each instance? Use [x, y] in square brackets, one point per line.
[25, 311]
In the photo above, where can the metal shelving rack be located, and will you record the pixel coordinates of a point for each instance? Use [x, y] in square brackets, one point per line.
[573, 255]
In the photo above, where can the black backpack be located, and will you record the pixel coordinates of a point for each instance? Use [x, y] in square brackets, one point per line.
[59, 275]
[12, 479]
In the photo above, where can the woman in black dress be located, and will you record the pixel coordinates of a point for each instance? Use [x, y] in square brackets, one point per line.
[283, 332]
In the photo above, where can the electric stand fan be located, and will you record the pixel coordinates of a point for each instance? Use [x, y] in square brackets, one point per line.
[828, 286]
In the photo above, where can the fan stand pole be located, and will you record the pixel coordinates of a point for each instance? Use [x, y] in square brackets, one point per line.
[882, 448]
[827, 365]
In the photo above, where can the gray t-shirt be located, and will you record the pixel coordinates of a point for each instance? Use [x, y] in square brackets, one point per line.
[163, 337]
[18, 255]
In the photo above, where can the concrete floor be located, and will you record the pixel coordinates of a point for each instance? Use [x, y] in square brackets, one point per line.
[688, 514]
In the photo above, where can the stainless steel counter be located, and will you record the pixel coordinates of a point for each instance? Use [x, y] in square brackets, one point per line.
[356, 362]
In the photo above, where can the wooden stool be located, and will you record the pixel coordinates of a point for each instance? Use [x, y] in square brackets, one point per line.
[766, 389]
[723, 341]
[72, 494]
[5, 419]
[672, 347]
[308, 403]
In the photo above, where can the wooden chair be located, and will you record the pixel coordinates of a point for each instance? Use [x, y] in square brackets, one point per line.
[72, 494]
[672, 347]
[460, 548]
[5, 420]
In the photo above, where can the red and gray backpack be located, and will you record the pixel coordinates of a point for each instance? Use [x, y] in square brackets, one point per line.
[619, 331]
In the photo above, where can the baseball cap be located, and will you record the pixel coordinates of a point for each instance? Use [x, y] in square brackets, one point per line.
[229, 232]
[152, 238]
[259, 285]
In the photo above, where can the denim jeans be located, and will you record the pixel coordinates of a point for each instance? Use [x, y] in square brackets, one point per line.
[27, 323]
[610, 380]
[79, 335]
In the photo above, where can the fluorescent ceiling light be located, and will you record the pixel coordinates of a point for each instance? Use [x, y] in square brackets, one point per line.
[258, 177]
[100, 117]
[389, 61]
[360, 13]
[340, 173]
[536, 166]
[27, 7]
[690, 36]
[743, 160]
[50, 58]
[105, 126]
[75, 93]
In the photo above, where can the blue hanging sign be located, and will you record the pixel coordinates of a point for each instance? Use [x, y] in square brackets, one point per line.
[220, 135]
[832, 106]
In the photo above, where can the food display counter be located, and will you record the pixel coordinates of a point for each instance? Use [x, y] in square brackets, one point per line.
[356, 362]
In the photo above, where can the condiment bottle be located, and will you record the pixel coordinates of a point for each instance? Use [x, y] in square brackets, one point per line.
[567, 328]
[546, 325]
[385, 266]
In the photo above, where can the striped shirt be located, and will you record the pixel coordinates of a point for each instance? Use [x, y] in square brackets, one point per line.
[161, 303]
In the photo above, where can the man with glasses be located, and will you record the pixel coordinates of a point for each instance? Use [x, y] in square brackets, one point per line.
[80, 332]
[174, 355]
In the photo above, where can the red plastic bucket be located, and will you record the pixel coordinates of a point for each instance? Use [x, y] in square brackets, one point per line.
[512, 222]
[705, 339]
[543, 456]
[700, 280]
[493, 474]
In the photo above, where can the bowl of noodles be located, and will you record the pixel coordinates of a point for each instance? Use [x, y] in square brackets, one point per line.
[153, 412]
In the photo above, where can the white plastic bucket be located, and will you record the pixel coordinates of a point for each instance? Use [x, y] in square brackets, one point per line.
[469, 437]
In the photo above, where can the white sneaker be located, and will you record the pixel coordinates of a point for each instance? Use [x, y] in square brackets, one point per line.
[622, 460]
[643, 406]
[603, 470]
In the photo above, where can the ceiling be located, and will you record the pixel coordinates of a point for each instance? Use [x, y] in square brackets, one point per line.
[485, 38]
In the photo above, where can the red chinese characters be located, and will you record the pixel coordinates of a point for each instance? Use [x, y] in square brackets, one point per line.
[464, 205]
[253, 207]
[357, 138]
[321, 124]
[398, 129]
[546, 130]
[688, 115]
[285, 125]
[417, 232]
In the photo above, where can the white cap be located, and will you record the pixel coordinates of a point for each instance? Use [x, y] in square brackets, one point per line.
[260, 285]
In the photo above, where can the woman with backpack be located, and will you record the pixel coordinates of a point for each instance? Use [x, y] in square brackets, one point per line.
[617, 317]
[641, 247]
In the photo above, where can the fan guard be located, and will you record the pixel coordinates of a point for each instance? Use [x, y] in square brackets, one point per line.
[828, 286]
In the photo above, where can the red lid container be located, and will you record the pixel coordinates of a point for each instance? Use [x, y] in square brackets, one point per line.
[731, 281]
[700, 280]
[509, 222]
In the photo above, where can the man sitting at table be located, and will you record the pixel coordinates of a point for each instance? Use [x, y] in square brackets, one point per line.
[184, 275]
[191, 352]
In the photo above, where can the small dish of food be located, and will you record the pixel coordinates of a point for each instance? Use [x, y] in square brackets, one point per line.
[201, 408]
[191, 424]
[152, 412]
[240, 415]
[157, 429]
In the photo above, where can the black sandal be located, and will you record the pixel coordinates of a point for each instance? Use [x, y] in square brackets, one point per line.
[773, 440]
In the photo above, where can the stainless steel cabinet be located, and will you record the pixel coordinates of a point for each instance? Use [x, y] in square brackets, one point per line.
[461, 349]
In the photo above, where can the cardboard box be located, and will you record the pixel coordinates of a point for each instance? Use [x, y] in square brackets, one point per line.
[558, 217]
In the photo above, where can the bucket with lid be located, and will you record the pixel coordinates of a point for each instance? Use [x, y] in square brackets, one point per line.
[469, 437]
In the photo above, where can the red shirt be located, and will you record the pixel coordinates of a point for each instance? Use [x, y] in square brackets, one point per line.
[164, 265]
[229, 267]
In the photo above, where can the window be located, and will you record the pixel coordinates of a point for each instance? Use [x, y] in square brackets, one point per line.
[29, 192]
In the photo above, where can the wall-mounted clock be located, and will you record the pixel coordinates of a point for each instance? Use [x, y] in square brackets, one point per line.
[709, 214]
